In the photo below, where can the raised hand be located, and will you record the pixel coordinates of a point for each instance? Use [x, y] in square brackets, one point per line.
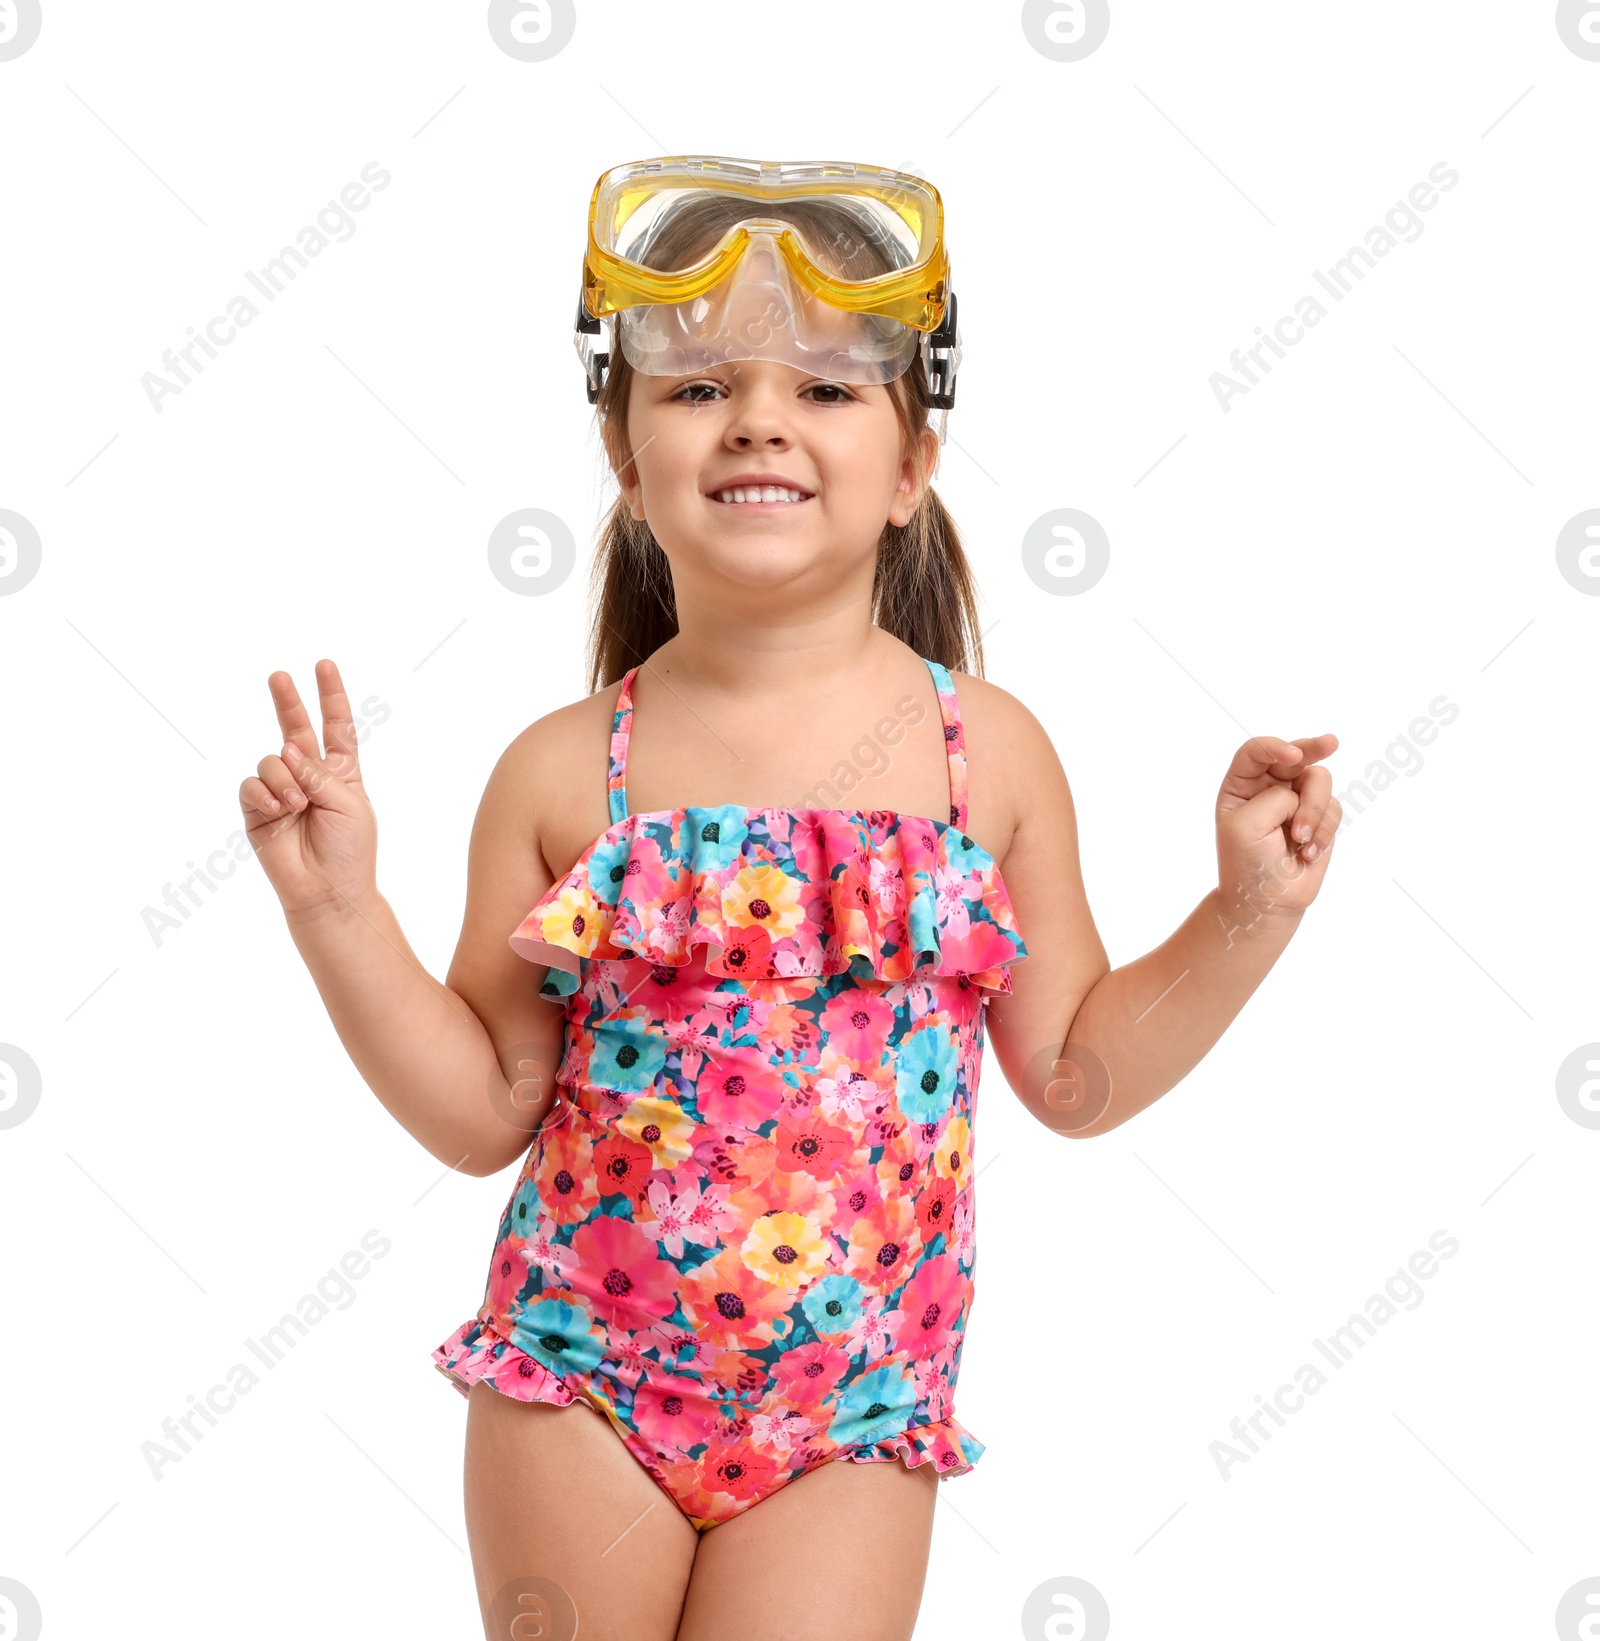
[306, 812]
[1276, 819]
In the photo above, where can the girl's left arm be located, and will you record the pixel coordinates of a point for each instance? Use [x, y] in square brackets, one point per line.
[1086, 1046]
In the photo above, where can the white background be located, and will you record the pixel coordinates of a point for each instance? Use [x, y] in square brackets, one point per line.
[1372, 527]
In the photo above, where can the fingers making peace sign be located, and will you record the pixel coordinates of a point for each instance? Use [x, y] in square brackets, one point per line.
[307, 815]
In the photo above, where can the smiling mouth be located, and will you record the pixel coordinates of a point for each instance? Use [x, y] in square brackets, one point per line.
[759, 499]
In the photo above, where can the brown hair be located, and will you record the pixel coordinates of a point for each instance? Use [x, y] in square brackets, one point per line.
[923, 591]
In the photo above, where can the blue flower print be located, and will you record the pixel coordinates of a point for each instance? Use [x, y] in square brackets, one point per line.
[715, 837]
[925, 1073]
[559, 1335]
[962, 854]
[608, 867]
[522, 1212]
[628, 1056]
[874, 1407]
[833, 1305]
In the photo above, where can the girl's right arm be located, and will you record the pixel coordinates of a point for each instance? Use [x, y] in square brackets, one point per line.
[467, 1070]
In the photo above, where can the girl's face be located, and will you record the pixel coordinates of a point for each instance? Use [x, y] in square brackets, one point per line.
[837, 443]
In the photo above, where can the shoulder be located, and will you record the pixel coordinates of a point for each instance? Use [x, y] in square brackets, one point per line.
[562, 743]
[1012, 764]
[570, 728]
[994, 720]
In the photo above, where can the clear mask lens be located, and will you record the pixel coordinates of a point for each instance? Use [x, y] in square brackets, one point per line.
[760, 312]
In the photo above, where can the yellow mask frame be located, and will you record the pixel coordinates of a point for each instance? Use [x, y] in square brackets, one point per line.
[914, 294]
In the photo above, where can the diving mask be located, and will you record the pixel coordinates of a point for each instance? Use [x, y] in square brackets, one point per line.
[838, 270]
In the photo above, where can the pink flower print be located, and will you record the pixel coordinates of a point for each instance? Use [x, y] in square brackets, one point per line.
[922, 1138]
[888, 884]
[982, 947]
[514, 1372]
[680, 1031]
[851, 897]
[669, 1217]
[681, 1347]
[620, 1275]
[870, 1332]
[665, 930]
[731, 1305]
[625, 1354]
[611, 982]
[924, 831]
[958, 1233]
[543, 1250]
[928, 1306]
[508, 1275]
[857, 1194]
[710, 1216]
[950, 890]
[811, 1372]
[739, 1088]
[687, 1210]
[646, 875]
[856, 1025]
[935, 1376]
[780, 824]
[971, 1056]
[848, 1096]
[673, 1411]
[782, 1429]
[929, 1380]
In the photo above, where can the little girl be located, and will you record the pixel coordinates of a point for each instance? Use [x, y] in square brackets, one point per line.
[741, 1074]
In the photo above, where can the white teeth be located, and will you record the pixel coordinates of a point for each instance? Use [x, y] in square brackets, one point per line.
[766, 492]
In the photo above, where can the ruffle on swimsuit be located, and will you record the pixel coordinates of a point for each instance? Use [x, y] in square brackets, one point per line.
[477, 1350]
[876, 895]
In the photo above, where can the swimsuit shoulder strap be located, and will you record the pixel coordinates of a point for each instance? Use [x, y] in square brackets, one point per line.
[621, 729]
[954, 743]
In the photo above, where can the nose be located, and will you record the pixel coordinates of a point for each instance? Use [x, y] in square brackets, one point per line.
[761, 404]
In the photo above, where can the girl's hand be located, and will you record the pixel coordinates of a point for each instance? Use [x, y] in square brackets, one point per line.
[307, 815]
[1276, 819]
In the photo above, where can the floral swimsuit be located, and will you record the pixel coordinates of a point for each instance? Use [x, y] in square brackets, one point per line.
[745, 1231]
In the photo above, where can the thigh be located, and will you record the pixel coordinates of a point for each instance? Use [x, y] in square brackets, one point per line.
[552, 1493]
[838, 1555]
